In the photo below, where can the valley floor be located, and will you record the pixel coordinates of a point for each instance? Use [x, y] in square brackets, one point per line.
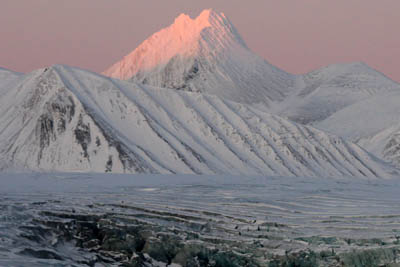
[186, 220]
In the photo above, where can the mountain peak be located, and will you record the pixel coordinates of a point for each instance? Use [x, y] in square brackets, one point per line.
[207, 13]
[183, 19]
[209, 32]
[349, 68]
[210, 15]
[204, 54]
[207, 18]
[191, 29]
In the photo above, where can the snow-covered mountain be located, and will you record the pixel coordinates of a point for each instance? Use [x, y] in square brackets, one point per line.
[205, 55]
[373, 123]
[385, 144]
[326, 91]
[66, 119]
[7, 77]
[208, 55]
[8, 74]
[351, 100]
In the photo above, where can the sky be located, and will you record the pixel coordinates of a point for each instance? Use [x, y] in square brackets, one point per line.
[295, 35]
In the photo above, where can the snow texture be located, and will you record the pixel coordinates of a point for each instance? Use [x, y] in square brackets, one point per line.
[67, 119]
[205, 55]
[322, 93]
[208, 55]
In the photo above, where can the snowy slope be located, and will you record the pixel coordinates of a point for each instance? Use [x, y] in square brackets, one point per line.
[7, 77]
[385, 144]
[364, 118]
[66, 119]
[44, 126]
[373, 123]
[352, 101]
[206, 55]
[324, 92]
[6, 74]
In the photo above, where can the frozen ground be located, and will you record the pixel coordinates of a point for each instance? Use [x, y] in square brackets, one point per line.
[117, 220]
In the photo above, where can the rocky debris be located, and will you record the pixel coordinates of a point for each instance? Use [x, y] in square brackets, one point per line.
[113, 241]
[385, 257]
[41, 254]
[389, 257]
[111, 238]
[142, 224]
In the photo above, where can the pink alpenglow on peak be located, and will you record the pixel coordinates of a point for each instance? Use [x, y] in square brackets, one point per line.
[207, 55]
[181, 38]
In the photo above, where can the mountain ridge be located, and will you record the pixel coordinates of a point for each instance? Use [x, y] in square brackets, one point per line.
[181, 38]
[226, 91]
[204, 55]
[212, 58]
[322, 93]
[75, 120]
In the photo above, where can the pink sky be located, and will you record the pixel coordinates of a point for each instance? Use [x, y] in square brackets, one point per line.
[296, 35]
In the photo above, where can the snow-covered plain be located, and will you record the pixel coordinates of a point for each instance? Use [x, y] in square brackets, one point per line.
[248, 219]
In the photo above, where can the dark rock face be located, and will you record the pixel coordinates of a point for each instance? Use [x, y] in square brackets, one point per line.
[109, 164]
[98, 142]
[45, 130]
[61, 117]
[59, 111]
[192, 73]
[82, 136]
